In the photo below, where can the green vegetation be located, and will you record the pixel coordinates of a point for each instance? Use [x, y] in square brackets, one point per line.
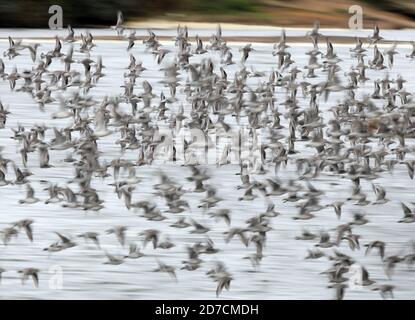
[223, 6]
[34, 13]
[89, 13]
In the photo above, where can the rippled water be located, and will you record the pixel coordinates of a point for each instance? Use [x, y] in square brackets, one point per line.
[283, 273]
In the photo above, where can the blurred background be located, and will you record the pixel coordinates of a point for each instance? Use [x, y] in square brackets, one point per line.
[392, 14]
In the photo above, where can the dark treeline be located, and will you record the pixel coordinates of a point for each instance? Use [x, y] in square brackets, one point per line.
[34, 13]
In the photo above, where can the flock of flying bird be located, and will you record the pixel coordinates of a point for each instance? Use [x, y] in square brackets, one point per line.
[363, 139]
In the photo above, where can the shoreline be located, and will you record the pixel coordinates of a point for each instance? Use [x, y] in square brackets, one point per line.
[162, 24]
[237, 39]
